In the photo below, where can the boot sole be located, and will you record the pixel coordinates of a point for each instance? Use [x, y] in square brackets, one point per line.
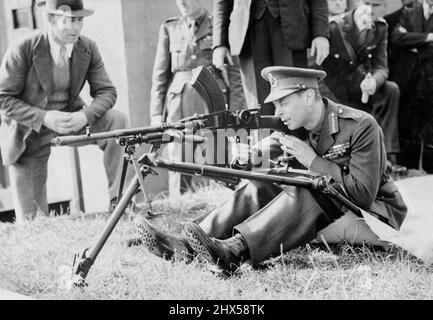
[154, 245]
[200, 243]
[148, 240]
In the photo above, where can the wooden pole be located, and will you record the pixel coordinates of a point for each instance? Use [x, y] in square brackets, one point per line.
[77, 202]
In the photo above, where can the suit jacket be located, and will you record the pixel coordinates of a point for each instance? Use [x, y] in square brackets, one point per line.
[347, 63]
[301, 21]
[26, 82]
[408, 36]
[351, 150]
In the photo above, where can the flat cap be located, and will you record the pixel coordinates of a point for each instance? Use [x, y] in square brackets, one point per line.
[287, 80]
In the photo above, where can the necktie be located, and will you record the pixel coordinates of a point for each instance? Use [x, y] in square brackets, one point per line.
[193, 27]
[63, 58]
[362, 37]
[313, 139]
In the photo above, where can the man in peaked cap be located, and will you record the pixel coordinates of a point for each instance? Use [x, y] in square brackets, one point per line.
[41, 77]
[261, 220]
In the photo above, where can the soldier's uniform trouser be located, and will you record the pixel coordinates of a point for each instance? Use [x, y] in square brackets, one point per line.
[385, 104]
[28, 176]
[265, 46]
[182, 101]
[270, 218]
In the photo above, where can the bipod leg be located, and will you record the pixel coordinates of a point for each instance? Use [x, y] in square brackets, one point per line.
[86, 261]
[139, 173]
[122, 178]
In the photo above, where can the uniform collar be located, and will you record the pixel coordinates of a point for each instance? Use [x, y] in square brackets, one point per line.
[55, 47]
[329, 127]
[350, 23]
[359, 26]
[199, 20]
[318, 128]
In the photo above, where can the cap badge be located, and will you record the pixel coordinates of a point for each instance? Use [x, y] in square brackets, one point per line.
[273, 80]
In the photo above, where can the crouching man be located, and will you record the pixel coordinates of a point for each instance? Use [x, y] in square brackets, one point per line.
[260, 219]
[41, 77]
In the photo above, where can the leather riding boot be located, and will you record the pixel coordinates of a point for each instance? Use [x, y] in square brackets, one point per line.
[227, 254]
[162, 244]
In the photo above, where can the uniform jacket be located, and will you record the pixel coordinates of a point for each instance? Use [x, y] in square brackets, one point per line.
[409, 36]
[347, 64]
[301, 21]
[351, 150]
[26, 81]
[178, 53]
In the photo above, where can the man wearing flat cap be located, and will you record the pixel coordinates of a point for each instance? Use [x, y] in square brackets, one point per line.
[262, 220]
[41, 77]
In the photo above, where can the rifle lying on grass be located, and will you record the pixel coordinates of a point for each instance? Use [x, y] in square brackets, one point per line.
[157, 135]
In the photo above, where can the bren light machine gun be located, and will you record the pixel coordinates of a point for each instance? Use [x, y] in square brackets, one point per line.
[205, 83]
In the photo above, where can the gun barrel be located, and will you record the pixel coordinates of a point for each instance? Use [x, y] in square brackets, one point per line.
[215, 172]
[69, 140]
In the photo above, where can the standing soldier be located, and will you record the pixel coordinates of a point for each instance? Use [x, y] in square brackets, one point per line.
[357, 69]
[185, 43]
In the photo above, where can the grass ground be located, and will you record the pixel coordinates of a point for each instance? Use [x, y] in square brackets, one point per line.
[32, 256]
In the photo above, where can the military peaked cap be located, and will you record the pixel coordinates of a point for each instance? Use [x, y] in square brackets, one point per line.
[287, 80]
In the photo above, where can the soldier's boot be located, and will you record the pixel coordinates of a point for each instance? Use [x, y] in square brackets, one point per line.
[162, 244]
[227, 254]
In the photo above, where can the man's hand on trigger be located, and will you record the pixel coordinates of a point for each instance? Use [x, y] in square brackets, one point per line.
[220, 56]
[301, 150]
[320, 48]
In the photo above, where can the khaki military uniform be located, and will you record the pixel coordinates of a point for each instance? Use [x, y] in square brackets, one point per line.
[271, 218]
[178, 54]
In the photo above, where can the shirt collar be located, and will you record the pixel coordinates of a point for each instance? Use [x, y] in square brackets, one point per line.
[55, 47]
[318, 128]
[199, 20]
[426, 10]
[359, 24]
